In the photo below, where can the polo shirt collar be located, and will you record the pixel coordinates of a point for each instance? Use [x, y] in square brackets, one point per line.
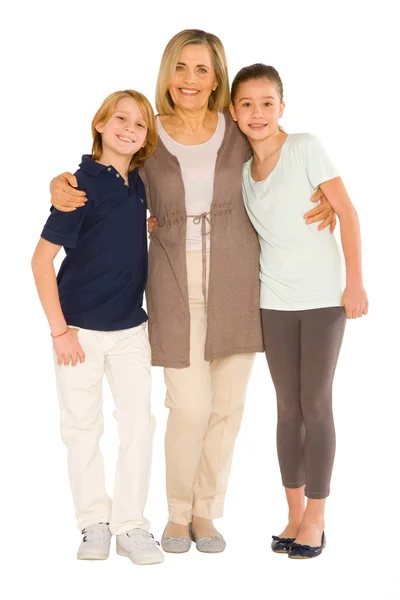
[94, 168]
[90, 166]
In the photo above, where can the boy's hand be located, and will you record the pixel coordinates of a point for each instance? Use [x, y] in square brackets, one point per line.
[68, 348]
[355, 301]
[323, 212]
[152, 224]
[64, 196]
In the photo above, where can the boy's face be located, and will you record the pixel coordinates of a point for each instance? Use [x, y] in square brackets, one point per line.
[257, 109]
[126, 132]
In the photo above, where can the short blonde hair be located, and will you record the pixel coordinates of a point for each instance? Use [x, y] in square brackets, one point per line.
[105, 113]
[219, 99]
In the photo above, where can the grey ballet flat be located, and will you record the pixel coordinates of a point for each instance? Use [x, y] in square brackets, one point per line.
[209, 545]
[175, 545]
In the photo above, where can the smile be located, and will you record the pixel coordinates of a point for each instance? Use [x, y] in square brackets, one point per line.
[124, 139]
[188, 92]
[257, 125]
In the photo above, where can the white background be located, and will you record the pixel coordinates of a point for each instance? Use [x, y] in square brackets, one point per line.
[339, 65]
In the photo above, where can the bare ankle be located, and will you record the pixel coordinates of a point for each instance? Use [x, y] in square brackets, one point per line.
[317, 521]
[315, 512]
[295, 519]
[176, 529]
[203, 527]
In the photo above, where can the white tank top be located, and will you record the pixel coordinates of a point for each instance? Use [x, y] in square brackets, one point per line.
[197, 165]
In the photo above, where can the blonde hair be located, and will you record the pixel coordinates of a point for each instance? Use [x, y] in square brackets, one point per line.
[105, 113]
[219, 99]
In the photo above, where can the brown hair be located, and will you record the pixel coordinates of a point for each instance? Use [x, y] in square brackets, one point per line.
[219, 99]
[105, 113]
[257, 71]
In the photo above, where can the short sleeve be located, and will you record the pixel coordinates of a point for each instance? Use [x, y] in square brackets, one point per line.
[318, 165]
[63, 228]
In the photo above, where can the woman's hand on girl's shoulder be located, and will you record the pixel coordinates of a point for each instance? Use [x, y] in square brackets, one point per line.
[355, 301]
[64, 196]
[68, 348]
[152, 224]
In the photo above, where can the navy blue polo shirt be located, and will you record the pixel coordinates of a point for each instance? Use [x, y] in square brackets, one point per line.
[102, 278]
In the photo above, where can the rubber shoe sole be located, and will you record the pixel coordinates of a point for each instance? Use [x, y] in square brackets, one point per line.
[91, 556]
[142, 561]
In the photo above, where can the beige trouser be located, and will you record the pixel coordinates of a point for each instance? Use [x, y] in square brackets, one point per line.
[124, 357]
[206, 402]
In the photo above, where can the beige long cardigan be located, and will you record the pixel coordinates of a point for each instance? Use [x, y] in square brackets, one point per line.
[233, 306]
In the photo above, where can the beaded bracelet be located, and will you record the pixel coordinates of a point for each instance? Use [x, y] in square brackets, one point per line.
[60, 334]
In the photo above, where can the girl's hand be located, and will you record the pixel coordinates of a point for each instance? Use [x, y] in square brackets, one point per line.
[323, 212]
[68, 348]
[355, 301]
[152, 224]
[64, 196]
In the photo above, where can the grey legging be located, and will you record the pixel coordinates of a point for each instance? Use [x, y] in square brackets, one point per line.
[302, 348]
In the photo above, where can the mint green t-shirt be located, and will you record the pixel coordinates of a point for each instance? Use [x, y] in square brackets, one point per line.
[300, 267]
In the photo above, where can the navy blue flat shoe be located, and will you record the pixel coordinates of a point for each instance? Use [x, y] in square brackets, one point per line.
[281, 545]
[304, 551]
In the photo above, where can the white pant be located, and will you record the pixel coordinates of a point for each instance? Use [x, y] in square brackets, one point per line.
[124, 356]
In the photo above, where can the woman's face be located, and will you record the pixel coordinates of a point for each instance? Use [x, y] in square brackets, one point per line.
[257, 108]
[194, 79]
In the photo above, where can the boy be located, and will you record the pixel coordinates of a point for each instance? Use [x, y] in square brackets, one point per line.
[95, 314]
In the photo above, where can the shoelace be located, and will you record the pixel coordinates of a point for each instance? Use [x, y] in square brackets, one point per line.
[95, 532]
[147, 540]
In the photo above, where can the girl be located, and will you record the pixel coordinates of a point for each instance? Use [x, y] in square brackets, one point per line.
[98, 326]
[302, 307]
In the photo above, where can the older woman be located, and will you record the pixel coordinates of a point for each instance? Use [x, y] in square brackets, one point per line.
[203, 286]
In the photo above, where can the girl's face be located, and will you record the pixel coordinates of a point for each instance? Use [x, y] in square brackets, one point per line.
[194, 79]
[257, 108]
[126, 132]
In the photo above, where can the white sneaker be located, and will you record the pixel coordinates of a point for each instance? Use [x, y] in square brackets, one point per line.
[140, 546]
[96, 542]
